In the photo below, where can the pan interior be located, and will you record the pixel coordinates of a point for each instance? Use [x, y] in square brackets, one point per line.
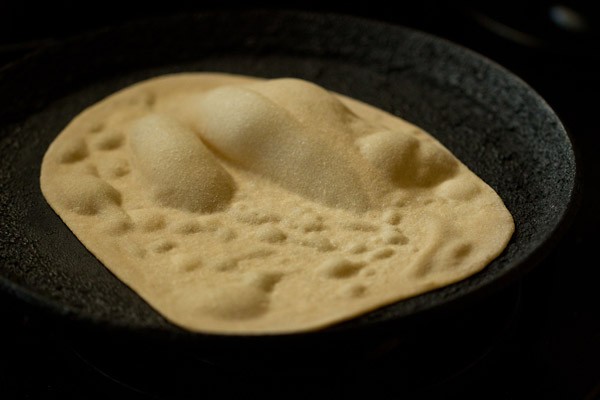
[493, 122]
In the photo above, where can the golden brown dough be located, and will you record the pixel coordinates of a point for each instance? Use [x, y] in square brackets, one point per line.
[245, 206]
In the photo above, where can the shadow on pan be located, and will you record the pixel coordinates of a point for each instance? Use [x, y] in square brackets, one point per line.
[496, 124]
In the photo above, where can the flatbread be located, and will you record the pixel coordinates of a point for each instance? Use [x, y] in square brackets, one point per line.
[237, 205]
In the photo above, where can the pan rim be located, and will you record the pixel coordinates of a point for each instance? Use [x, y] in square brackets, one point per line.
[514, 269]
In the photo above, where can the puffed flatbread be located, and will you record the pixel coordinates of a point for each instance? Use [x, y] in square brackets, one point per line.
[238, 205]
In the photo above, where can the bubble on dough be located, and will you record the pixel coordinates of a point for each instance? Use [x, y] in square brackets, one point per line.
[459, 188]
[310, 223]
[234, 301]
[392, 236]
[148, 220]
[254, 217]
[265, 281]
[353, 290]
[187, 262]
[356, 247]
[406, 160]
[180, 171]
[72, 151]
[317, 241]
[96, 127]
[224, 264]
[257, 134]
[210, 224]
[381, 254]
[116, 168]
[162, 245]
[391, 216]
[187, 227]
[462, 250]
[116, 223]
[109, 141]
[361, 226]
[270, 234]
[309, 103]
[339, 268]
[226, 234]
[86, 194]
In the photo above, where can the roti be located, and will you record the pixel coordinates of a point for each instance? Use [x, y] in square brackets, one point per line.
[239, 205]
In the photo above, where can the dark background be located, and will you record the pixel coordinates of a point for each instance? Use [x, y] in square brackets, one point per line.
[552, 349]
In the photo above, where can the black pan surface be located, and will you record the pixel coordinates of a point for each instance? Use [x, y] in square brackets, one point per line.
[495, 123]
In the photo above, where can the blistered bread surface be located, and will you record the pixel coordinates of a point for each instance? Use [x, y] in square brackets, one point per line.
[245, 206]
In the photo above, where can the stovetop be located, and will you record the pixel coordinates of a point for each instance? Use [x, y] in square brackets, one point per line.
[539, 338]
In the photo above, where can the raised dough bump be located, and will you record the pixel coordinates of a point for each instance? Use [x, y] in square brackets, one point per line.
[178, 169]
[257, 134]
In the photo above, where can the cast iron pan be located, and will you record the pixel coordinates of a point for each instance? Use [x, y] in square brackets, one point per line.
[494, 122]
